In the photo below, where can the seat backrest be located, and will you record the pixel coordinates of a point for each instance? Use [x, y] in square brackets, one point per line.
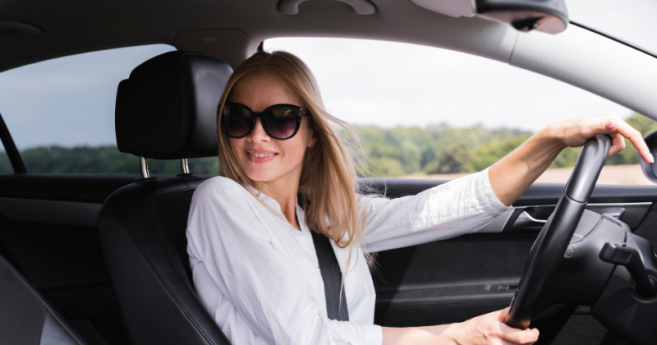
[25, 317]
[165, 110]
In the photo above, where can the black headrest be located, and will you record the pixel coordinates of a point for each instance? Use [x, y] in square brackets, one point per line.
[167, 109]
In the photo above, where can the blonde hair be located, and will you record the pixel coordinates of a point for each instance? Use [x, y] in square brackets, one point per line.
[328, 186]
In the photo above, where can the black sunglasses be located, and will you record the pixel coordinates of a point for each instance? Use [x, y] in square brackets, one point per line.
[280, 121]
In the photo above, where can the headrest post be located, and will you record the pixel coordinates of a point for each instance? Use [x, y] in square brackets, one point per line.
[185, 166]
[143, 161]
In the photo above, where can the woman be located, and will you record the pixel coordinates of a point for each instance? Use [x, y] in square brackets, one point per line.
[251, 252]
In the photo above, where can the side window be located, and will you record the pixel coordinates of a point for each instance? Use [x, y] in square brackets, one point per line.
[60, 114]
[424, 112]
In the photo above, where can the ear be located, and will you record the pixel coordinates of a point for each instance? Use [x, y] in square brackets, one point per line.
[313, 139]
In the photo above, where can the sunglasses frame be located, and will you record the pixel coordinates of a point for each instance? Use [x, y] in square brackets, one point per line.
[257, 114]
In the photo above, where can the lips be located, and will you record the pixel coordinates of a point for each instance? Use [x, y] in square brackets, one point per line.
[260, 156]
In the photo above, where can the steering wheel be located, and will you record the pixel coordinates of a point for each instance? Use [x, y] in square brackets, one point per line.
[554, 238]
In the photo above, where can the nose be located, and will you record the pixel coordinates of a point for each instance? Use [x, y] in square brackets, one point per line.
[258, 132]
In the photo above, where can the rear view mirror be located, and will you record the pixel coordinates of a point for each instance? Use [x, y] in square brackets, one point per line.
[550, 16]
[650, 170]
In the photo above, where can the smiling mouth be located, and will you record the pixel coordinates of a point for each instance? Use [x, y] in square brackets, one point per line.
[260, 155]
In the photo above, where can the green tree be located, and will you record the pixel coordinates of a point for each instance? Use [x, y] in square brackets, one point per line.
[5, 164]
[486, 154]
[453, 159]
[103, 159]
[567, 158]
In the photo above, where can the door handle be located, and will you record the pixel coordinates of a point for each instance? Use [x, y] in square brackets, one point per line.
[525, 221]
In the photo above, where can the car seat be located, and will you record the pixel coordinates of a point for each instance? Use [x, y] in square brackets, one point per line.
[26, 318]
[165, 110]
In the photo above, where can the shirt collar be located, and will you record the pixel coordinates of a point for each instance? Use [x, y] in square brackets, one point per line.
[273, 203]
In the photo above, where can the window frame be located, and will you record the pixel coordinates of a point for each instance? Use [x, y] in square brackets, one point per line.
[10, 148]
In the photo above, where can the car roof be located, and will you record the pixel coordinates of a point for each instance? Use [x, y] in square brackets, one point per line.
[74, 26]
[232, 30]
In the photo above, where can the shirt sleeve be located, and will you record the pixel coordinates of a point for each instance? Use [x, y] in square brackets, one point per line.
[260, 281]
[458, 207]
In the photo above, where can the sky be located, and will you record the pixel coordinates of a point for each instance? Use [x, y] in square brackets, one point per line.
[632, 21]
[70, 101]
[392, 84]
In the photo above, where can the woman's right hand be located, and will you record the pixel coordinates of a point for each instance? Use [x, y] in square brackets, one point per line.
[489, 329]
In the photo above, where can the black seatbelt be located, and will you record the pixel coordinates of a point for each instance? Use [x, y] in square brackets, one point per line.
[336, 307]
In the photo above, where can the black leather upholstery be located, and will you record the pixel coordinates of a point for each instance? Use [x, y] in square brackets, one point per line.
[26, 318]
[142, 230]
[167, 108]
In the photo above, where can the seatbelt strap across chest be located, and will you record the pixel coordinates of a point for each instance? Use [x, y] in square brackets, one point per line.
[336, 301]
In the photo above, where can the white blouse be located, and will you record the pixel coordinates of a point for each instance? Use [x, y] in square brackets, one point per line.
[259, 277]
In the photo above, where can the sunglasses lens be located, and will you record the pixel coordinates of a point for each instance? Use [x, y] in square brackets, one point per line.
[236, 121]
[281, 121]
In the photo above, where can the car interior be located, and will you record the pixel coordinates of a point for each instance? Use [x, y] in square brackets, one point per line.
[101, 258]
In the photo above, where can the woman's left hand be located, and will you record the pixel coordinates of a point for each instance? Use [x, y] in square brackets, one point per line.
[513, 174]
[574, 132]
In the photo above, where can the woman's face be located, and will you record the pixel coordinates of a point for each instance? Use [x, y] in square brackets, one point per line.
[283, 159]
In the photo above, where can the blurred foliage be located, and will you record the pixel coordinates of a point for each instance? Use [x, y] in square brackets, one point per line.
[5, 164]
[453, 159]
[436, 149]
[441, 149]
[433, 149]
[485, 155]
[102, 159]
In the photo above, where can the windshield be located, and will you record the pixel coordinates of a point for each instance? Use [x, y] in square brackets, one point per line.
[630, 21]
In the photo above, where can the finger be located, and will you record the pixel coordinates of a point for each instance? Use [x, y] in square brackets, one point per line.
[617, 144]
[506, 342]
[503, 314]
[606, 125]
[598, 124]
[527, 336]
[636, 139]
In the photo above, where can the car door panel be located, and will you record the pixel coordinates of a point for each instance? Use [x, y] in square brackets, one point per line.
[48, 233]
[50, 211]
[49, 226]
[448, 281]
[459, 278]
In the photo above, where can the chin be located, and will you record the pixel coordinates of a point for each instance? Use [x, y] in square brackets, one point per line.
[260, 175]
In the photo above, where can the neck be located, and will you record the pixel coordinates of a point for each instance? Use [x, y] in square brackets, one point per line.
[286, 196]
